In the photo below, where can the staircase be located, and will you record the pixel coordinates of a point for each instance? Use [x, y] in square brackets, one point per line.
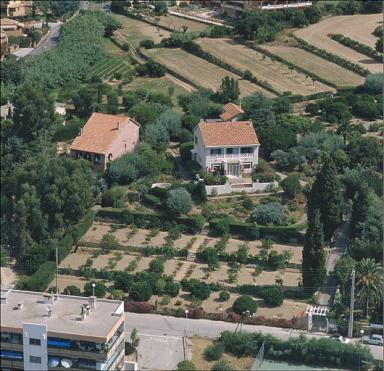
[191, 257]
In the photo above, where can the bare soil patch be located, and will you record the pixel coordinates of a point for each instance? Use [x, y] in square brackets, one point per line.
[357, 27]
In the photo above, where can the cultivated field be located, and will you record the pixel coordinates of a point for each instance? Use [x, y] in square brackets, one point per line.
[180, 268]
[199, 71]
[107, 67]
[177, 23]
[279, 76]
[137, 31]
[358, 27]
[321, 67]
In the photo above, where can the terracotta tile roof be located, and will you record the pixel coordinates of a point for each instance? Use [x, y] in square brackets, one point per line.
[231, 110]
[10, 22]
[228, 133]
[100, 131]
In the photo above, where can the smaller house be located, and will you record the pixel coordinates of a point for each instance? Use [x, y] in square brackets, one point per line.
[232, 112]
[11, 27]
[105, 138]
[229, 147]
[17, 8]
[6, 111]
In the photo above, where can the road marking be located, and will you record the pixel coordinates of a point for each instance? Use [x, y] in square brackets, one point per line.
[161, 336]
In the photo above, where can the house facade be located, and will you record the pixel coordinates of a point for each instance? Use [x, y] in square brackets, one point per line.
[11, 27]
[232, 112]
[105, 138]
[16, 8]
[229, 147]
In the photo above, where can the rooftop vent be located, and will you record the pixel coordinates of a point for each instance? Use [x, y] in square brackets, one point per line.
[92, 300]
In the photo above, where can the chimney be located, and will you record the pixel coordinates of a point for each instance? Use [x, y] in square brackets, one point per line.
[20, 306]
[48, 299]
[92, 302]
[118, 125]
[81, 132]
[49, 310]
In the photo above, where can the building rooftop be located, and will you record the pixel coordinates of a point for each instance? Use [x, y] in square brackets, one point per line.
[18, 307]
[100, 131]
[10, 22]
[236, 133]
[231, 110]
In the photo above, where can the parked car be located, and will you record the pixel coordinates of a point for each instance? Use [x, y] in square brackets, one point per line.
[340, 338]
[372, 339]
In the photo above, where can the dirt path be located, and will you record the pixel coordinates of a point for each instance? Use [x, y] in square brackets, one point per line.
[171, 78]
[8, 278]
[184, 173]
[357, 27]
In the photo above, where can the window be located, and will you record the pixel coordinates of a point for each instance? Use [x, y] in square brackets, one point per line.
[246, 150]
[215, 151]
[229, 151]
[110, 157]
[216, 167]
[33, 341]
[247, 165]
[33, 359]
[97, 159]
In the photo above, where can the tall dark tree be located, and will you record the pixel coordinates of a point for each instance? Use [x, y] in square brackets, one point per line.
[360, 210]
[313, 264]
[229, 89]
[326, 195]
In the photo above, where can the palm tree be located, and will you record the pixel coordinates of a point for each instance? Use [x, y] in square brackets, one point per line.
[345, 128]
[369, 282]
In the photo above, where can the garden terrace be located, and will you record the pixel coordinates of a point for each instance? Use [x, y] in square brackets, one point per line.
[177, 23]
[136, 30]
[361, 25]
[107, 67]
[279, 76]
[200, 72]
[327, 70]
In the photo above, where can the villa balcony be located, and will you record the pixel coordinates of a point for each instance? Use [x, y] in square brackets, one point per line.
[227, 156]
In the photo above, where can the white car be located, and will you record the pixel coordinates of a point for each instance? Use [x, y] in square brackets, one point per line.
[340, 338]
[373, 339]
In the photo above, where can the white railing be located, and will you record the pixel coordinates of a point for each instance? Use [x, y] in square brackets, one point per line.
[231, 156]
[286, 6]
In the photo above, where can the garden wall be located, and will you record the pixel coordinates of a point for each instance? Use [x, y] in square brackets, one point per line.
[227, 188]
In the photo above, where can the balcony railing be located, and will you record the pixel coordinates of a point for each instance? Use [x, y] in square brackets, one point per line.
[231, 156]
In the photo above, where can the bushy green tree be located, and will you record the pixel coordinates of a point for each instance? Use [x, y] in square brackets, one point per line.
[186, 366]
[141, 291]
[222, 366]
[313, 265]
[273, 296]
[291, 185]
[72, 290]
[99, 289]
[157, 265]
[244, 303]
[179, 201]
[260, 110]
[109, 242]
[271, 213]
[214, 352]
[229, 89]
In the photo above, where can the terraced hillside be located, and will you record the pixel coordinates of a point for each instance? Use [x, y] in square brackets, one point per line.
[278, 75]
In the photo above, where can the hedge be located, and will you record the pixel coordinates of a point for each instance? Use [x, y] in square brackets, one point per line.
[40, 280]
[355, 45]
[331, 57]
[151, 200]
[192, 223]
[253, 231]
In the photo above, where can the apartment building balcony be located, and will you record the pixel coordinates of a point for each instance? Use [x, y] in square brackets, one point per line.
[231, 156]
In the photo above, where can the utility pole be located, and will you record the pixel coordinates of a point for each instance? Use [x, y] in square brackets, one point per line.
[352, 305]
[57, 270]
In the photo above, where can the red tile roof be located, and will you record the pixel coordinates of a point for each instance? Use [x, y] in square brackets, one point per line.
[218, 133]
[231, 110]
[100, 131]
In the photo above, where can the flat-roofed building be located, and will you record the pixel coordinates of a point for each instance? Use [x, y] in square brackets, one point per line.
[40, 331]
[16, 8]
[105, 138]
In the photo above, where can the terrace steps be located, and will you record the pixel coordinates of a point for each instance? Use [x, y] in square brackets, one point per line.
[191, 257]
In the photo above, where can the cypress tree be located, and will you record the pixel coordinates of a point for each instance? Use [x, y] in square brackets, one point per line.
[313, 265]
[326, 195]
[361, 204]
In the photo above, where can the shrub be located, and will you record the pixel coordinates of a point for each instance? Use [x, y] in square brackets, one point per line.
[198, 289]
[147, 44]
[185, 150]
[117, 294]
[273, 295]
[72, 290]
[222, 366]
[138, 307]
[243, 304]
[248, 203]
[40, 280]
[214, 352]
[152, 200]
[224, 295]
[109, 242]
[186, 365]
[141, 291]
[291, 185]
[271, 213]
[157, 265]
[114, 197]
[179, 201]
[172, 288]
[99, 289]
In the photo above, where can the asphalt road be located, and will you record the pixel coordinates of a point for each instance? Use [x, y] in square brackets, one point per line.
[165, 326]
[50, 42]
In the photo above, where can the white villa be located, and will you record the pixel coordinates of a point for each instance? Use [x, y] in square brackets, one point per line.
[229, 147]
